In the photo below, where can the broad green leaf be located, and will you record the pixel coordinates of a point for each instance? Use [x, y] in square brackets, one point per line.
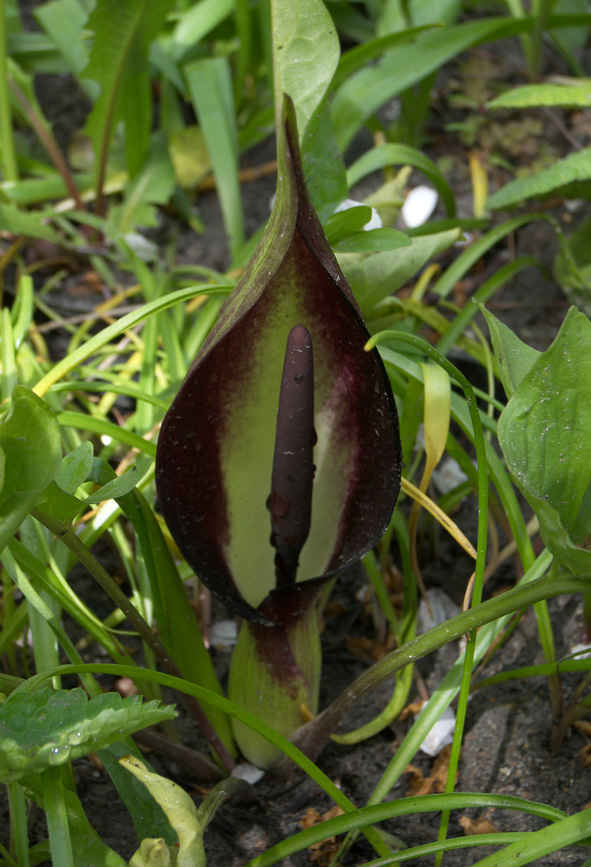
[544, 428]
[573, 168]
[572, 267]
[382, 274]
[346, 221]
[515, 357]
[44, 728]
[326, 176]
[119, 62]
[181, 812]
[374, 240]
[75, 468]
[31, 225]
[30, 438]
[147, 816]
[123, 484]
[60, 505]
[577, 94]
[305, 56]
[210, 85]
[63, 21]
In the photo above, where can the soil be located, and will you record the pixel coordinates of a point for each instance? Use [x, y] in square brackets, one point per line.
[508, 729]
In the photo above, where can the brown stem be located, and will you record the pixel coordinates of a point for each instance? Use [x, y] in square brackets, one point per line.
[45, 136]
[71, 540]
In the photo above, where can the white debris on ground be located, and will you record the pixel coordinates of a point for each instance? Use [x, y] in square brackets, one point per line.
[441, 734]
[248, 772]
[418, 206]
[442, 606]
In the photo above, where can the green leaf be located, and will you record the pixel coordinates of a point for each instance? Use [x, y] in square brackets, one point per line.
[378, 276]
[544, 428]
[122, 484]
[515, 357]
[210, 86]
[306, 53]
[147, 816]
[196, 22]
[63, 21]
[181, 812]
[573, 168]
[399, 154]
[31, 225]
[363, 93]
[572, 267]
[326, 176]
[347, 221]
[58, 504]
[44, 728]
[75, 468]
[30, 436]
[577, 94]
[119, 62]
[372, 241]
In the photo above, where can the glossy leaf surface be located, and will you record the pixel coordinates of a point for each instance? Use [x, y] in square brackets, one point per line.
[215, 453]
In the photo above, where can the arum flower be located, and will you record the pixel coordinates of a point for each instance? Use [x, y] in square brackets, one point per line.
[279, 460]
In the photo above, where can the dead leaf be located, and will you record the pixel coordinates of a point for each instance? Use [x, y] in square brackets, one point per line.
[585, 756]
[477, 826]
[323, 852]
[367, 648]
[414, 708]
[435, 782]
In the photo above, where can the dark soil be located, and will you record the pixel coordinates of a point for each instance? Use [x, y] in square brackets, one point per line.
[507, 744]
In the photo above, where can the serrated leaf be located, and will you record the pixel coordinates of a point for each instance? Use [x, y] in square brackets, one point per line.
[119, 62]
[514, 356]
[575, 95]
[573, 168]
[30, 436]
[44, 728]
[122, 484]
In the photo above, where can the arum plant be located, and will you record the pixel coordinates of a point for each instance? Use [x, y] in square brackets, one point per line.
[279, 460]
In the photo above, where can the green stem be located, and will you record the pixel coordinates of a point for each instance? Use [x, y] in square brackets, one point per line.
[311, 737]
[19, 833]
[77, 547]
[54, 803]
[7, 149]
[48, 141]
